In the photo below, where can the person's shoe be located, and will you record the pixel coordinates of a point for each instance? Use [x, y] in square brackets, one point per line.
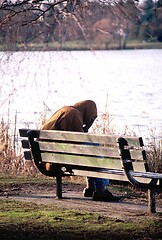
[105, 196]
[88, 192]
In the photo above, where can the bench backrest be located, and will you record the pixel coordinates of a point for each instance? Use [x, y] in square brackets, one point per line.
[81, 153]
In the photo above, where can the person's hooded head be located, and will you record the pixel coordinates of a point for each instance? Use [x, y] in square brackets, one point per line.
[88, 110]
[78, 117]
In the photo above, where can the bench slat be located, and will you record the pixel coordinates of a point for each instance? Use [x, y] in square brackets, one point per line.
[81, 160]
[79, 149]
[109, 174]
[112, 163]
[136, 155]
[25, 144]
[133, 141]
[139, 166]
[86, 137]
[147, 175]
[77, 137]
[28, 155]
[23, 132]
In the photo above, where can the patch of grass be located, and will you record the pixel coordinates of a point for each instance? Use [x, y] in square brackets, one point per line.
[32, 221]
[10, 179]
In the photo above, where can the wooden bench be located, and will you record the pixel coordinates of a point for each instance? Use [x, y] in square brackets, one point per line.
[92, 155]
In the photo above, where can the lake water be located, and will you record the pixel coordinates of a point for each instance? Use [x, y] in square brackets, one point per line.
[126, 84]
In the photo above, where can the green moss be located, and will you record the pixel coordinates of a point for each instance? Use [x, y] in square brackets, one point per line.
[30, 221]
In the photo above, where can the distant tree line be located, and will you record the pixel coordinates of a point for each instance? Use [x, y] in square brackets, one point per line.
[47, 21]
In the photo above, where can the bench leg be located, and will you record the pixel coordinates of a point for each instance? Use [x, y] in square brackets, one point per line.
[151, 201]
[59, 187]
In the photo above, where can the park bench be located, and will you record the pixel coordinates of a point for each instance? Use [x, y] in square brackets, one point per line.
[93, 155]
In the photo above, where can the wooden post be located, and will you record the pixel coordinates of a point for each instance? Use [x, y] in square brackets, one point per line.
[151, 201]
[59, 187]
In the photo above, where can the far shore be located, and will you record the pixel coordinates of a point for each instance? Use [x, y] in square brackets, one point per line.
[80, 46]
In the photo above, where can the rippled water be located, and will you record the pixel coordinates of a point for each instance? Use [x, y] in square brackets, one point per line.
[128, 84]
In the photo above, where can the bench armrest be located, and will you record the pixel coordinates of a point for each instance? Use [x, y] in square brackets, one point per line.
[155, 181]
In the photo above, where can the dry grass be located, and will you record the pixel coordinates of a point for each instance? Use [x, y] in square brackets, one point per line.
[154, 152]
[11, 155]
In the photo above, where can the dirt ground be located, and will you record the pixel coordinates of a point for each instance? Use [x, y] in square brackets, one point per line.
[131, 208]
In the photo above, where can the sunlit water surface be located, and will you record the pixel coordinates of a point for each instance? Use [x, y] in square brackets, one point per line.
[126, 84]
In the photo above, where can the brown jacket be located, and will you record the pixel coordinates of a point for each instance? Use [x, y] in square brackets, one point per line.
[73, 118]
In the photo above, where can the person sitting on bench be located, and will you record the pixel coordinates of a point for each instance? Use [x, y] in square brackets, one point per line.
[79, 118]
